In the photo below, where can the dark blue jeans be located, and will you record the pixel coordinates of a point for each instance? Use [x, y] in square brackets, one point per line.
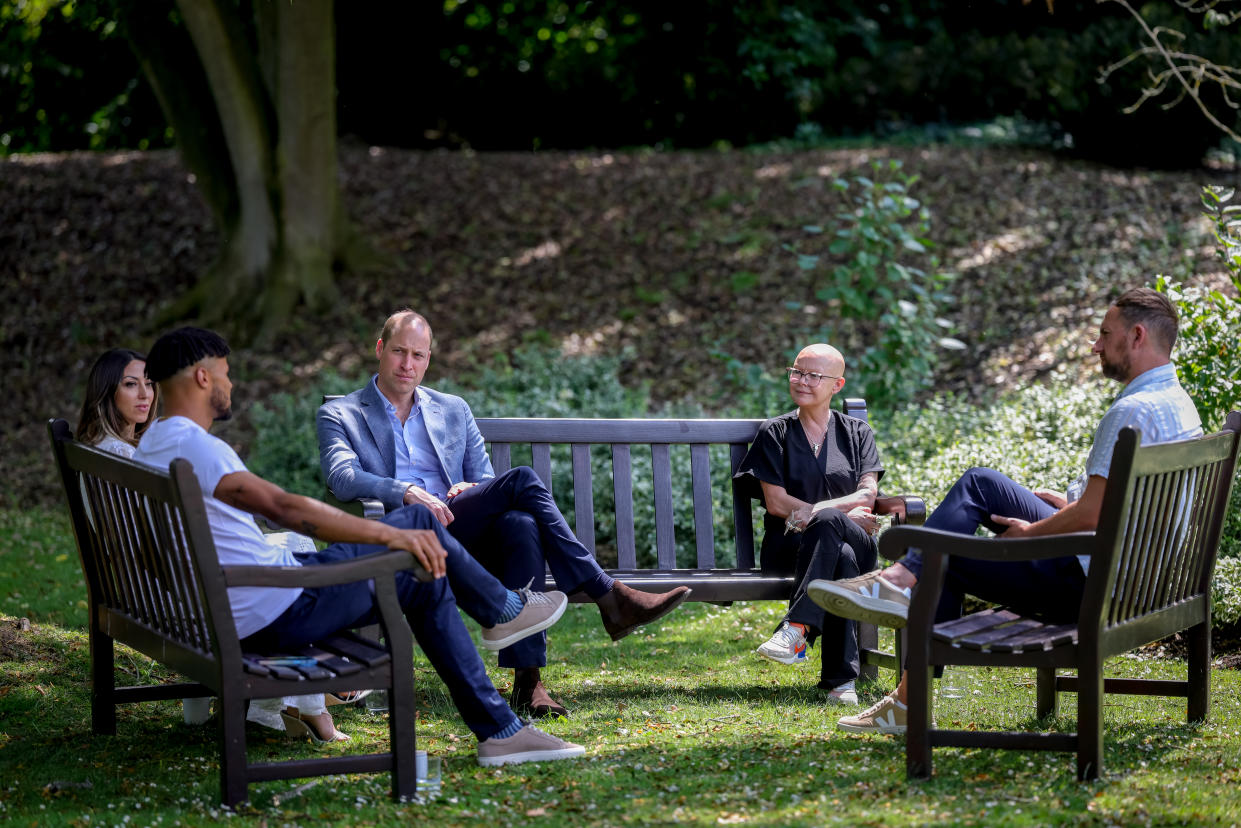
[511, 525]
[430, 609]
[1051, 588]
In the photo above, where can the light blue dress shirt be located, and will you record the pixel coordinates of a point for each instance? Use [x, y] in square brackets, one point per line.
[1154, 402]
[416, 460]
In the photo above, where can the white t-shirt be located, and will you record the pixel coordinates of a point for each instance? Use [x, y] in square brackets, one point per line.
[237, 537]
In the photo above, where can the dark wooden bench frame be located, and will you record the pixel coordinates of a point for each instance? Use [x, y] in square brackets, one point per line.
[1152, 558]
[709, 580]
[154, 583]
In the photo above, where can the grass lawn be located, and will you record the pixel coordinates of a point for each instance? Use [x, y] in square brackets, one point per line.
[683, 723]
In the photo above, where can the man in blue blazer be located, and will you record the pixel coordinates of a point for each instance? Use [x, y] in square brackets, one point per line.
[402, 443]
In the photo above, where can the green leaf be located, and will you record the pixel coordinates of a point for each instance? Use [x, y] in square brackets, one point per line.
[913, 244]
[807, 262]
[813, 228]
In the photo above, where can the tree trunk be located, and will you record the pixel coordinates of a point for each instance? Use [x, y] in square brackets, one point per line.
[263, 145]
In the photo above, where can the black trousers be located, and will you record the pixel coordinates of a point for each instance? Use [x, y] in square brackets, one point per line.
[832, 547]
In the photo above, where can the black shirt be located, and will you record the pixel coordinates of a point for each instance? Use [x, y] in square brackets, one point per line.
[781, 455]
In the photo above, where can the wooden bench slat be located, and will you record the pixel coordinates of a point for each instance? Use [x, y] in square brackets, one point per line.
[622, 488]
[704, 529]
[501, 457]
[541, 460]
[743, 521]
[950, 630]
[583, 497]
[665, 538]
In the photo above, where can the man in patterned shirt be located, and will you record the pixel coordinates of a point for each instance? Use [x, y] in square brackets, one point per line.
[1134, 346]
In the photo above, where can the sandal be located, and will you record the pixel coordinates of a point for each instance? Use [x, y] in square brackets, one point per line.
[346, 697]
[311, 727]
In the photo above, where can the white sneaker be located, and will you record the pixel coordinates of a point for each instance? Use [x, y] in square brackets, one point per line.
[787, 645]
[869, 598]
[884, 716]
[845, 694]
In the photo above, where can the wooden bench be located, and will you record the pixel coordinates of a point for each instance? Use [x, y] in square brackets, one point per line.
[155, 584]
[715, 577]
[1151, 561]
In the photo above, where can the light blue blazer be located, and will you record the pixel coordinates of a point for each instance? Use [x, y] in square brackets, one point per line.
[357, 451]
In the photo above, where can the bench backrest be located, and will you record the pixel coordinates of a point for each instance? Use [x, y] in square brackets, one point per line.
[656, 436]
[147, 555]
[1159, 531]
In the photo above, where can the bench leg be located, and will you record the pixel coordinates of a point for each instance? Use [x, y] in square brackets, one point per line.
[917, 736]
[401, 736]
[1198, 638]
[868, 640]
[232, 717]
[103, 683]
[1089, 719]
[1046, 698]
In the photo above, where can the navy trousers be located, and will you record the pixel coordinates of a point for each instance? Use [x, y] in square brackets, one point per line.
[1050, 588]
[831, 547]
[511, 525]
[430, 609]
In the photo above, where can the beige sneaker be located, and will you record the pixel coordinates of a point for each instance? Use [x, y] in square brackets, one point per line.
[540, 611]
[526, 745]
[884, 716]
[867, 598]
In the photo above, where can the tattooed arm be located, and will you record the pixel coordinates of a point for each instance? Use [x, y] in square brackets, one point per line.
[253, 494]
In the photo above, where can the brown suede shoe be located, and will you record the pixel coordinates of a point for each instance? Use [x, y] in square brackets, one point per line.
[535, 702]
[624, 609]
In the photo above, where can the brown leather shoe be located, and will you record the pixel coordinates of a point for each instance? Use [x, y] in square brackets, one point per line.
[624, 609]
[535, 702]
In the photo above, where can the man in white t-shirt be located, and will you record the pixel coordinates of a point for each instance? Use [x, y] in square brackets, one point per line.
[1134, 347]
[191, 367]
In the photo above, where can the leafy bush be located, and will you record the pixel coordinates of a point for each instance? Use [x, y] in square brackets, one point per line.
[1208, 359]
[889, 281]
[286, 448]
[1226, 592]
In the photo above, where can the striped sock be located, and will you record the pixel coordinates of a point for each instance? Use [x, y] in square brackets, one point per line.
[512, 730]
[512, 608]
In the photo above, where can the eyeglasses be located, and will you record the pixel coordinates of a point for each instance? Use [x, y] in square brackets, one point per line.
[812, 379]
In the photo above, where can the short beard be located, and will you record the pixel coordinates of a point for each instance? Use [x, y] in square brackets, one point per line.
[1114, 370]
[221, 406]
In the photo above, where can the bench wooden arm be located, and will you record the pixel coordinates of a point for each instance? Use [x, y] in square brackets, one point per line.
[904, 509]
[321, 575]
[364, 507]
[937, 543]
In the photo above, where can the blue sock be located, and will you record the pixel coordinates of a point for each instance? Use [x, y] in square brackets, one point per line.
[512, 608]
[512, 730]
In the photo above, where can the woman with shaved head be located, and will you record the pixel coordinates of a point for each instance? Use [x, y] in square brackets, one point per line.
[816, 472]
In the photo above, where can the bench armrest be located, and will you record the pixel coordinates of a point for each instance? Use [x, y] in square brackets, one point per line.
[904, 509]
[321, 575]
[364, 507]
[937, 543]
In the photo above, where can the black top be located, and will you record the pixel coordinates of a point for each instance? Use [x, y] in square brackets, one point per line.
[781, 455]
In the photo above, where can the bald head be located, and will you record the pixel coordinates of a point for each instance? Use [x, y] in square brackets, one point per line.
[832, 361]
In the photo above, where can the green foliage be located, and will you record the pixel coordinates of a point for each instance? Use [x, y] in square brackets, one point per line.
[286, 448]
[887, 278]
[1207, 356]
[1226, 592]
[1039, 436]
[69, 81]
